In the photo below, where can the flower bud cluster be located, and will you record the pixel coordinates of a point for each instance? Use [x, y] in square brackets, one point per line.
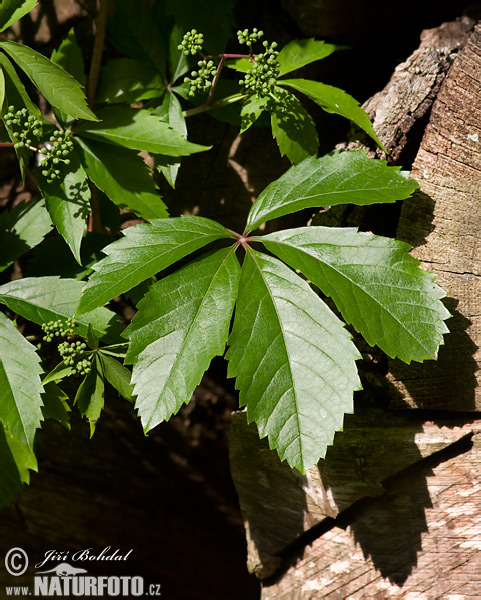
[57, 150]
[192, 42]
[70, 353]
[265, 71]
[247, 38]
[58, 329]
[201, 80]
[23, 126]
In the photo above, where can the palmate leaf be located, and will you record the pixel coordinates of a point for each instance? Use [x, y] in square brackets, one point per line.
[144, 251]
[122, 176]
[16, 461]
[10, 481]
[22, 228]
[13, 10]
[375, 283]
[55, 405]
[178, 62]
[58, 86]
[90, 395]
[20, 401]
[69, 57]
[43, 299]
[23, 456]
[294, 130]
[337, 178]
[333, 100]
[117, 375]
[138, 129]
[182, 323]
[15, 94]
[128, 80]
[293, 361]
[299, 53]
[68, 203]
[252, 108]
[133, 29]
[170, 111]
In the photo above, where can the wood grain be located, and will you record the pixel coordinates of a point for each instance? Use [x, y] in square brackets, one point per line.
[443, 222]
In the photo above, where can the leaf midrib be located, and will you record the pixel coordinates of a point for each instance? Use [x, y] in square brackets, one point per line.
[189, 329]
[144, 265]
[288, 356]
[358, 285]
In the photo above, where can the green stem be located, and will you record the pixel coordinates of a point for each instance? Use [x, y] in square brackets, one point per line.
[224, 102]
[94, 72]
[95, 221]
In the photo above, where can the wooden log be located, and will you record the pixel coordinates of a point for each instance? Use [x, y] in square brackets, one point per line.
[279, 504]
[421, 540]
[443, 222]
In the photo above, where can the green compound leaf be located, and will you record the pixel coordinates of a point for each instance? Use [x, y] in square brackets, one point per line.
[20, 401]
[294, 129]
[15, 94]
[117, 375]
[182, 323]
[21, 229]
[138, 129]
[43, 299]
[16, 460]
[90, 395]
[144, 251]
[293, 361]
[2, 90]
[243, 65]
[178, 61]
[23, 456]
[69, 57]
[59, 372]
[59, 87]
[375, 283]
[10, 480]
[334, 100]
[134, 30]
[122, 176]
[15, 91]
[128, 80]
[170, 111]
[299, 53]
[252, 108]
[68, 202]
[55, 405]
[337, 178]
[13, 10]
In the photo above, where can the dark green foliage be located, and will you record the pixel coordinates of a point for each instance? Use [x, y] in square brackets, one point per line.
[292, 358]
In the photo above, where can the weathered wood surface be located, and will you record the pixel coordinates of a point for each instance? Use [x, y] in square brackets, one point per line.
[420, 541]
[400, 107]
[279, 504]
[443, 222]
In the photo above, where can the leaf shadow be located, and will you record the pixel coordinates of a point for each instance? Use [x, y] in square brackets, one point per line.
[361, 471]
[223, 183]
[76, 195]
[443, 384]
